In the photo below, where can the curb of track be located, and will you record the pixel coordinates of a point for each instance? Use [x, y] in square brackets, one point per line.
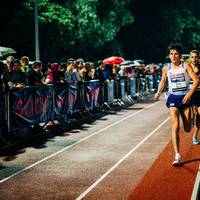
[196, 189]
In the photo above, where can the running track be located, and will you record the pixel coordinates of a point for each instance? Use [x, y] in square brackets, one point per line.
[122, 155]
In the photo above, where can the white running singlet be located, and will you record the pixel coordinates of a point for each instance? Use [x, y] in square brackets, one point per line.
[178, 80]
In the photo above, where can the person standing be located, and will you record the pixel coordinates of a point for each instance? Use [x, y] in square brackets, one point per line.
[194, 62]
[14, 78]
[35, 76]
[25, 64]
[178, 73]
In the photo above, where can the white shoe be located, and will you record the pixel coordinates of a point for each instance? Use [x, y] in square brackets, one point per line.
[177, 161]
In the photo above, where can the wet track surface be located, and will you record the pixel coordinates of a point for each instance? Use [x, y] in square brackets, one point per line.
[104, 157]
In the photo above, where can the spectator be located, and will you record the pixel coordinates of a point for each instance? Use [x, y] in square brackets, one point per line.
[15, 78]
[9, 63]
[90, 72]
[81, 68]
[70, 63]
[52, 74]
[61, 73]
[115, 72]
[99, 72]
[35, 76]
[102, 75]
[72, 75]
[25, 64]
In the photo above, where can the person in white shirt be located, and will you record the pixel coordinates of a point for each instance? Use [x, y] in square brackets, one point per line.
[178, 73]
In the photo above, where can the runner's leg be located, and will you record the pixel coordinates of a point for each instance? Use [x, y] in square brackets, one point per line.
[186, 117]
[174, 112]
[196, 126]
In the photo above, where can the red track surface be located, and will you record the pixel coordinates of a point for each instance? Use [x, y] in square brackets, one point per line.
[165, 182]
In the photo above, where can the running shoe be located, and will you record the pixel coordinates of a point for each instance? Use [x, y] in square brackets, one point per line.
[177, 161]
[195, 140]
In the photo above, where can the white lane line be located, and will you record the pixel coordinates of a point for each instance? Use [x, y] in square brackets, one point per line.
[120, 161]
[196, 188]
[81, 140]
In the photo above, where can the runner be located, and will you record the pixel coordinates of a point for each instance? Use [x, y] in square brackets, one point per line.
[194, 59]
[178, 73]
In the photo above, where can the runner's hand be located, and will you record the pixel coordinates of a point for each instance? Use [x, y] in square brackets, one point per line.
[186, 99]
[157, 95]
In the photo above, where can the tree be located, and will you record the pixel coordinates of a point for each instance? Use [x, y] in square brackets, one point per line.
[80, 27]
[157, 24]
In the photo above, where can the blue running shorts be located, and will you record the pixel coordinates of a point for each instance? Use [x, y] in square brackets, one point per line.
[176, 101]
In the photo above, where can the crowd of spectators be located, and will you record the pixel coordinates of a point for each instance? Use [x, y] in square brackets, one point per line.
[18, 73]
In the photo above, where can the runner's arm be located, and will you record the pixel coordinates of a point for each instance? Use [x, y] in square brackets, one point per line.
[162, 82]
[195, 84]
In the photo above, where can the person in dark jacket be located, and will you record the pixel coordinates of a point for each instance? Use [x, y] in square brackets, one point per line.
[15, 78]
[35, 76]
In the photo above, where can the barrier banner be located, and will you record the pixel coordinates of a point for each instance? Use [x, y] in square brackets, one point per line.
[92, 94]
[61, 102]
[133, 87]
[122, 85]
[29, 106]
[150, 83]
[72, 97]
[110, 88]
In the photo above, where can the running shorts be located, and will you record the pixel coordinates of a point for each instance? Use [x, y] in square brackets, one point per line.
[196, 98]
[176, 101]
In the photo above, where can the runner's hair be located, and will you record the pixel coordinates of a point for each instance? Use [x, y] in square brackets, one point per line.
[176, 46]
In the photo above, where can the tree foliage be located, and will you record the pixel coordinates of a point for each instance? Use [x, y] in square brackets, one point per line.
[81, 25]
[95, 29]
[159, 23]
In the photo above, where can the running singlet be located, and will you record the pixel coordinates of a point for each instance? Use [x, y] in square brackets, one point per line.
[191, 81]
[178, 80]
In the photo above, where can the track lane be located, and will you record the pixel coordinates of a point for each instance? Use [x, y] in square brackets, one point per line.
[163, 181]
[70, 173]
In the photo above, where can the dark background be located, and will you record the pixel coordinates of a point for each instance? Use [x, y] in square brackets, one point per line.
[92, 29]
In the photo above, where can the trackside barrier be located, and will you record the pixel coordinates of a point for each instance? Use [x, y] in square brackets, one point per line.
[40, 104]
[91, 94]
[110, 92]
[150, 83]
[61, 106]
[117, 89]
[73, 98]
[122, 87]
[3, 116]
[32, 106]
[133, 87]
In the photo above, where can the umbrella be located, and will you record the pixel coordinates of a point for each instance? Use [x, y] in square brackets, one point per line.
[4, 51]
[113, 60]
[127, 63]
[137, 63]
